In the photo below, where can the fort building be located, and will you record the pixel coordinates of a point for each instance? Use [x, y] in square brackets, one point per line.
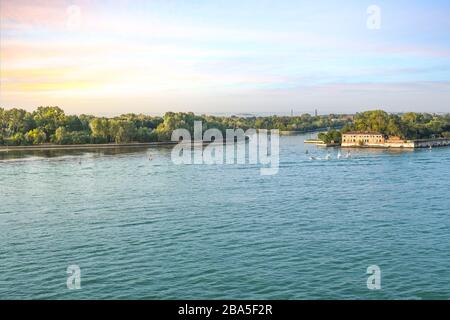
[376, 139]
[353, 139]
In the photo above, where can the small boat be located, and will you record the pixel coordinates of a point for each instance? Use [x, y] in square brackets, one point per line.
[312, 158]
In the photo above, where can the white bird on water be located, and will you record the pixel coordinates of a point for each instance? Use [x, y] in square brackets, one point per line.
[339, 155]
[328, 156]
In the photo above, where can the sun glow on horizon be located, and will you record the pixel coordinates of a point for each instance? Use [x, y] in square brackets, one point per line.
[141, 56]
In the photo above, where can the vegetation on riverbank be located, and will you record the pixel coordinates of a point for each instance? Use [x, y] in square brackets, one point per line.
[408, 125]
[332, 136]
[51, 125]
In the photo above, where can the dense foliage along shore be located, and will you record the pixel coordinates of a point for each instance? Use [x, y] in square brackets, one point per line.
[410, 125]
[19, 127]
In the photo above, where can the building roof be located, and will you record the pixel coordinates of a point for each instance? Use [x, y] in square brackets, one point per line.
[362, 132]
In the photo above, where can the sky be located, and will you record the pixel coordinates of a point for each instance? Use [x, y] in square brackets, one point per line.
[224, 56]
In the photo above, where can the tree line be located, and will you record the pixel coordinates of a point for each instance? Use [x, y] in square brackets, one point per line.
[51, 125]
[408, 125]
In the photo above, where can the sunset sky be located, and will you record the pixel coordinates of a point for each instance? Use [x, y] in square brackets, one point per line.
[224, 56]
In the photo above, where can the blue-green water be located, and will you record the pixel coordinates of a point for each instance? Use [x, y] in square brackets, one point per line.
[153, 230]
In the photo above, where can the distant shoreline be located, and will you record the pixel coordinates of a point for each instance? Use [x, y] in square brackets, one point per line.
[42, 147]
[49, 146]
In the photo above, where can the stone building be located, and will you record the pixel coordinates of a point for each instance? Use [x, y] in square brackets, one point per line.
[352, 139]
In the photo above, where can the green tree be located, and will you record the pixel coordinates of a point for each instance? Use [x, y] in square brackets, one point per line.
[73, 123]
[145, 134]
[62, 136]
[332, 136]
[80, 137]
[373, 121]
[49, 119]
[36, 136]
[100, 129]
[18, 139]
[123, 131]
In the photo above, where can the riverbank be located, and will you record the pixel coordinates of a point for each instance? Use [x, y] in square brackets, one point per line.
[42, 147]
[400, 144]
[320, 143]
[390, 144]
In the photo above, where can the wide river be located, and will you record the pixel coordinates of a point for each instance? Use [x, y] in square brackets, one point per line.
[150, 229]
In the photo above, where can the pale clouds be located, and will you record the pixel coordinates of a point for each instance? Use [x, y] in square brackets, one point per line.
[186, 56]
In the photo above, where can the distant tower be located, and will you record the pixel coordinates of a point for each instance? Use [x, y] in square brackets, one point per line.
[315, 112]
